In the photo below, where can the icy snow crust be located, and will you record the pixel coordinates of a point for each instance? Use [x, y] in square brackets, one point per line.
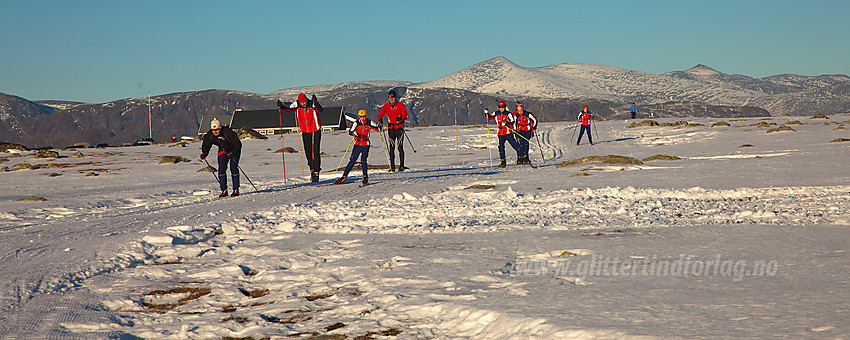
[145, 250]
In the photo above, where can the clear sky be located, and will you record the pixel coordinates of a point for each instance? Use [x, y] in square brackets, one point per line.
[99, 51]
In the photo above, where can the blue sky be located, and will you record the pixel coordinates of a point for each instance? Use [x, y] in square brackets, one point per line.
[99, 51]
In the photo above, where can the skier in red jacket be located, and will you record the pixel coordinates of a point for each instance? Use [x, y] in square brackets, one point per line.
[396, 115]
[307, 117]
[505, 121]
[526, 124]
[360, 130]
[585, 116]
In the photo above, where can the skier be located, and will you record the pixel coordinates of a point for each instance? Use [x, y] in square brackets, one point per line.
[633, 110]
[505, 121]
[526, 124]
[585, 116]
[229, 150]
[360, 130]
[396, 115]
[307, 116]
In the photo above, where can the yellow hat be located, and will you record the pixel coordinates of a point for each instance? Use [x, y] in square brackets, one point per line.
[361, 113]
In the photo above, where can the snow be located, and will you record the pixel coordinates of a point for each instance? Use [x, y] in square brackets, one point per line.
[725, 242]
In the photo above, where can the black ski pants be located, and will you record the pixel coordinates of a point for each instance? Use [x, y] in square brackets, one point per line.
[396, 137]
[223, 161]
[510, 139]
[581, 132]
[363, 152]
[312, 149]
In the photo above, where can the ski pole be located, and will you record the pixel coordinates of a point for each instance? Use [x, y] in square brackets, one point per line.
[594, 129]
[408, 140]
[539, 147]
[282, 152]
[300, 159]
[517, 133]
[343, 155]
[386, 149]
[573, 136]
[210, 166]
[246, 176]
[487, 125]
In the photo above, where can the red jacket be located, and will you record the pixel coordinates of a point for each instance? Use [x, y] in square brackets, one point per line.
[525, 121]
[504, 120]
[396, 114]
[307, 116]
[585, 118]
[360, 131]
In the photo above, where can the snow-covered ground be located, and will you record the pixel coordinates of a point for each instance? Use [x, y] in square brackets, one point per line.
[745, 236]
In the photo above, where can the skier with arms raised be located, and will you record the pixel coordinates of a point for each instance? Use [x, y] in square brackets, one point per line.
[307, 116]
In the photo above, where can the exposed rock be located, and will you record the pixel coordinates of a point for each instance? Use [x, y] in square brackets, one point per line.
[720, 124]
[643, 124]
[610, 159]
[32, 198]
[172, 160]
[249, 133]
[661, 158]
[781, 128]
[46, 154]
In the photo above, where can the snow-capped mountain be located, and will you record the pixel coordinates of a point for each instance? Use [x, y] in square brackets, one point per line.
[292, 92]
[577, 80]
[700, 84]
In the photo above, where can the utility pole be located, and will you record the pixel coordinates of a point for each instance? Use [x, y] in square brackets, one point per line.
[150, 122]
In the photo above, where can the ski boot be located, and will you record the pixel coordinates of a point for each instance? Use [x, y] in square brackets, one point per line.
[223, 193]
[235, 193]
[502, 163]
[519, 160]
[365, 179]
[314, 176]
[401, 168]
[340, 180]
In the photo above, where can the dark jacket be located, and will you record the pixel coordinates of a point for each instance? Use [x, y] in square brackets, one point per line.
[227, 141]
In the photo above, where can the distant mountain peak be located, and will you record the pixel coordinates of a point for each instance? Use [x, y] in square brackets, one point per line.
[702, 70]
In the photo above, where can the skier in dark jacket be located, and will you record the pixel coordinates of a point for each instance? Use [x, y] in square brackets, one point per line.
[360, 130]
[505, 122]
[307, 117]
[526, 124]
[229, 151]
[585, 116]
[396, 114]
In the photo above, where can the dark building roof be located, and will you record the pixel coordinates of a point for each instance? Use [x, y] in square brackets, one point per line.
[267, 119]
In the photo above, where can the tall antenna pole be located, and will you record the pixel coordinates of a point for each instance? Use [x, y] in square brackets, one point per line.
[150, 122]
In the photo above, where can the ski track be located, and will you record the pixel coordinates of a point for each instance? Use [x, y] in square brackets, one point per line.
[176, 246]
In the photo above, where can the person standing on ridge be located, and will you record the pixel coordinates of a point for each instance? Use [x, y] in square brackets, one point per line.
[505, 122]
[307, 117]
[396, 115]
[633, 110]
[360, 130]
[229, 151]
[526, 124]
[585, 116]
